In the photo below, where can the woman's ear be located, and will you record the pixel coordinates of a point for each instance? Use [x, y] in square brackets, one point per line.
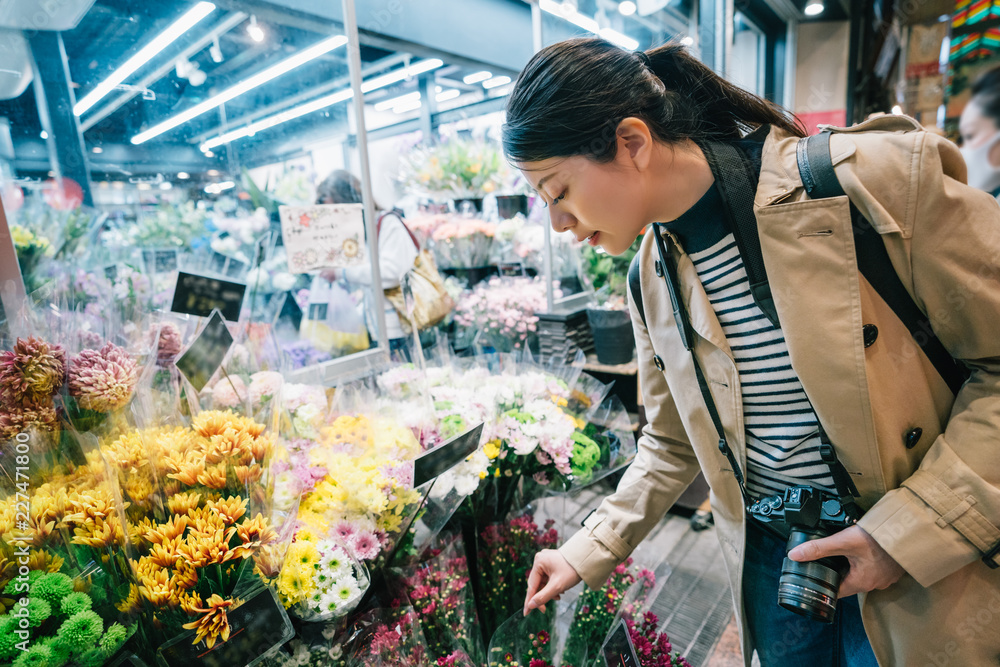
[635, 141]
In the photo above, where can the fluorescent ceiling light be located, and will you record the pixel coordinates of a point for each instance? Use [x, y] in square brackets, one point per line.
[145, 54]
[43, 134]
[259, 79]
[814, 9]
[183, 175]
[687, 40]
[626, 8]
[568, 12]
[412, 105]
[477, 77]
[323, 102]
[216, 188]
[255, 31]
[620, 39]
[397, 101]
[565, 10]
[446, 95]
[496, 82]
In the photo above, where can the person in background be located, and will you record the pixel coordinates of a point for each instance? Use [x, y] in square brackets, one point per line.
[979, 127]
[396, 250]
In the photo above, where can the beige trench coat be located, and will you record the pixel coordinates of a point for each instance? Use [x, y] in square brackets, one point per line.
[934, 507]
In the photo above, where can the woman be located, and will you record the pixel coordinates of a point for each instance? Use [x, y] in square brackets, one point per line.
[614, 141]
[396, 250]
[979, 126]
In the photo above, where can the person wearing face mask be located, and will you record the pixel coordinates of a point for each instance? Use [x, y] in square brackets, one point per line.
[980, 130]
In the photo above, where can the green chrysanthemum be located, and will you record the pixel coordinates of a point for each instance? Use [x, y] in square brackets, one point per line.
[8, 638]
[75, 603]
[93, 658]
[114, 638]
[38, 655]
[39, 611]
[52, 588]
[60, 652]
[81, 630]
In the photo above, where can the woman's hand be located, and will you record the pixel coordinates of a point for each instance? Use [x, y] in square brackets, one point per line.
[549, 577]
[871, 566]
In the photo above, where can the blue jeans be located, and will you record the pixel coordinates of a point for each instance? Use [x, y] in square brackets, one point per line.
[784, 638]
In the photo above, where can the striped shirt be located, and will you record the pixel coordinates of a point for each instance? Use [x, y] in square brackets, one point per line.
[782, 431]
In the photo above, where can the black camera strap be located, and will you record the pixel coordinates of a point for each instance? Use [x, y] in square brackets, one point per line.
[669, 273]
[735, 172]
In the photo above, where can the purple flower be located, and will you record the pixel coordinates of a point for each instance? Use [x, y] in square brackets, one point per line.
[32, 372]
[102, 380]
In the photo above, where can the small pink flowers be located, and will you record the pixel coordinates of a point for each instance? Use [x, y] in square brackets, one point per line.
[102, 380]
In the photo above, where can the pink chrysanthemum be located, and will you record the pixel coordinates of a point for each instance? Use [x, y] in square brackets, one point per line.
[32, 372]
[264, 385]
[229, 392]
[169, 344]
[365, 546]
[102, 380]
[23, 419]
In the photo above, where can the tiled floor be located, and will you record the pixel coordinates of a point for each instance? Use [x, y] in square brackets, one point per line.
[694, 604]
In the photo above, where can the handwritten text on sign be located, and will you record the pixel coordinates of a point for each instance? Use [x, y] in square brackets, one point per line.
[323, 236]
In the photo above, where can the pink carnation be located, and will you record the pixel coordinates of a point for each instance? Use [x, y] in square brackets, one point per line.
[229, 393]
[102, 380]
[264, 385]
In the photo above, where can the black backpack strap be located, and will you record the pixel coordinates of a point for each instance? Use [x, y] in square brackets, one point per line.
[820, 181]
[736, 179]
[635, 286]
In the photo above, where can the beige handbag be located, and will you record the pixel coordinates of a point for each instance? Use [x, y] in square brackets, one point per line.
[421, 298]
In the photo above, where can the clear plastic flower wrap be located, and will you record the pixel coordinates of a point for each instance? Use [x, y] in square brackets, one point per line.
[439, 590]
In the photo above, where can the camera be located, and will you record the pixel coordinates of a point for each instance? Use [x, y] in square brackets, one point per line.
[803, 514]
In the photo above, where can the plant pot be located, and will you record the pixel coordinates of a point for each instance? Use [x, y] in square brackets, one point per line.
[471, 276]
[468, 205]
[510, 205]
[614, 341]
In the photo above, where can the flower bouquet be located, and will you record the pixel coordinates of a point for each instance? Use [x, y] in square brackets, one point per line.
[463, 243]
[32, 251]
[453, 169]
[438, 588]
[503, 310]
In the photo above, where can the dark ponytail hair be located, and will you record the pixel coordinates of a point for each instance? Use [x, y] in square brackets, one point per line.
[571, 97]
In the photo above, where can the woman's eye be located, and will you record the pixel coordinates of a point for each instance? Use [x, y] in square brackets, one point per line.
[559, 198]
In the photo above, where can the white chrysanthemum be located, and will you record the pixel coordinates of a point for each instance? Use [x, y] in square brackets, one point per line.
[347, 590]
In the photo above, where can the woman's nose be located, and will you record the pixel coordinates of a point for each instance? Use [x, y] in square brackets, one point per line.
[561, 220]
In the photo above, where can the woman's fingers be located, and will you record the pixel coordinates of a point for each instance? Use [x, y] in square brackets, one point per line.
[551, 575]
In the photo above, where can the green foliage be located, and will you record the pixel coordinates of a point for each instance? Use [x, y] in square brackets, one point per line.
[607, 272]
[114, 638]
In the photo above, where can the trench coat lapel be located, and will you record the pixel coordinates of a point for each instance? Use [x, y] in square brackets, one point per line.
[812, 240]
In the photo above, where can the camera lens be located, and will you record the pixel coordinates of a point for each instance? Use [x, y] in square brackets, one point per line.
[810, 588]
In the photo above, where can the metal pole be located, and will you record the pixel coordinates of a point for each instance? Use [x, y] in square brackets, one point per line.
[12, 294]
[354, 65]
[547, 259]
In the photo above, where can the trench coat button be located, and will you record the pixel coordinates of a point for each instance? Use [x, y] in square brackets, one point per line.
[870, 332]
[658, 362]
[912, 437]
[659, 268]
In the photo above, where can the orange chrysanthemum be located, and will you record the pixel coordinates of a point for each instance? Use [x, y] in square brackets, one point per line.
[248, 474]
[229, 510]
[214, 623]
[167, 531]
[183, 503]
[214, 477]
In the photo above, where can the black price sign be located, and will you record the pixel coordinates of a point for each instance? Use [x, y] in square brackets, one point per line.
[227, 266]
[111, 272]
[256, 626]
[160, 261]
[317, 311]
[430, 464]
[203, 358]
[200, 295]
[618, 650]
[289, 312]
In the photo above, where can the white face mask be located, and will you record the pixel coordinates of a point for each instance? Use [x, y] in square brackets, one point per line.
[982, 174]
